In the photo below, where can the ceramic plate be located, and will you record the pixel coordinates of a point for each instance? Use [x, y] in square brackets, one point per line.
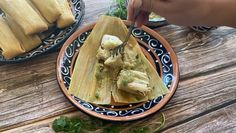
[158, 52]
[156, 21]
[55, 39]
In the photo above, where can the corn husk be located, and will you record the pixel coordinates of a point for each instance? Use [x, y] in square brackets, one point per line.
[49, 9]
[67, 18]
[38, 12]
[84, 84]
[28, 42]
[9, 44]
[24, 15]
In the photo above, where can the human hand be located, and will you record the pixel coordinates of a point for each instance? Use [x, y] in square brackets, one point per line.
[186, 12]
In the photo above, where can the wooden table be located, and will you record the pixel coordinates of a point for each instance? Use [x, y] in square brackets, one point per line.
[30, 98]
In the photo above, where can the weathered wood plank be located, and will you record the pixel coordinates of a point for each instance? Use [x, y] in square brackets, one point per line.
[193, 97]
[32, 103]
[220, 121]
[201, 52]
[42, 126]
[94, 9]
[27, 70]
[29, 93]
[200, 94]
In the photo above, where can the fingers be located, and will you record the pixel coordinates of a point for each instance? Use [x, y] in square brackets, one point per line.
[146, 7]
[132, 6]
[142, 18]
[157, 6]
[130, 11]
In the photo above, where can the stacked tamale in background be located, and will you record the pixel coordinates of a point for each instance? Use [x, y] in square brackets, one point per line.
[26, 19]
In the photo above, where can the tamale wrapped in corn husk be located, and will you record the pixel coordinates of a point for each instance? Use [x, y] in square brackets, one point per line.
[85, 83]
[28, 42]
[24, 15]
[40, 15]
[67, 18]
[51, 26]
[9, 44]
[50, 9]
[155, 82]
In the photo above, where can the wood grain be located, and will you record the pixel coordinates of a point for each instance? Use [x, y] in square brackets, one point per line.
[220, 121]
[94, 9]
[193, 97]
[42, 126]
[199, 53]
[32, 95]
[29, 93]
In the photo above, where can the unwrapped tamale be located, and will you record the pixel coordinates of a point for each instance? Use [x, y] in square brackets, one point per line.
[24, 15]
[98, 77]
[67, 18]
[50, 9]
[9, 44]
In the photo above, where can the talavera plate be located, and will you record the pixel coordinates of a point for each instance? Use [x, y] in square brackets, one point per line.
[158, 52]
[55, 39]
[156, 21]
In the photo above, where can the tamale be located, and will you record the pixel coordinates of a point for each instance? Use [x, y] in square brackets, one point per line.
[67, 18]
[85, 83]
[38, 12]
[50, 9]
[144, 66]
[28, 42]
[9, 44]
[24, 15]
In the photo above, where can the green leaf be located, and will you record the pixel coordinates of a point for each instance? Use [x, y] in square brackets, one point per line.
[64, 124]
[112, 129]
[92, 124]
[120, 10]
[77, 125]
[59, 124]
[97, 96]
